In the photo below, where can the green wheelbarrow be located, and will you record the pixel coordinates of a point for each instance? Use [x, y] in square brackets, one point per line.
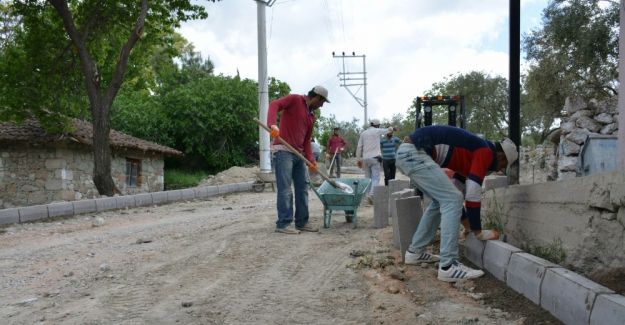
[334, 199]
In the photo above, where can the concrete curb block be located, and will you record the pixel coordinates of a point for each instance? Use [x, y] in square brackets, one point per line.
[62, 209]
[84, 206]
[32, 213]
[72, 208]
[608, 309]
[106, 203]
[127, 201]
[570, 297]
[474, 250]
[8, 216]
[174, 196]
[188, 194]
[143, 199]
[159, 198]
[497, 256]
[380, 207]
[525, 275]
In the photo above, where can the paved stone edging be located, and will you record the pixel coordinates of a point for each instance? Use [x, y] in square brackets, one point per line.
[72, 208]
[568, 296]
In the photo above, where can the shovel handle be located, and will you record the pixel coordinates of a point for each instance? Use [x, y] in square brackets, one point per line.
[297, 153]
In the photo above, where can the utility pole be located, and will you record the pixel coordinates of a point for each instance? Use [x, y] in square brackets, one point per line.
[263, 87]
[354, 81]
[514, 110]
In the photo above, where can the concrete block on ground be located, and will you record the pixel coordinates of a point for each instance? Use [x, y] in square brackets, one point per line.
[569, 296]
[525, 274]
[32, 213]
[106, 203]
[393, 196]
[84, 206]
[126, 201]
[608, 309]
[408, 216]
[8, 216]
[143, 199]
[159, 197]
[244, 187]
[380, 207]
[60, 209]
[201, 192]
[225, 188]
[497, 256]
[174, 196]
[188, 194]
[474, 250]
[492, 182]
[396, 185]
[212, 191]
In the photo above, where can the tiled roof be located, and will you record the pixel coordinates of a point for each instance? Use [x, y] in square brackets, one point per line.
[32, 131]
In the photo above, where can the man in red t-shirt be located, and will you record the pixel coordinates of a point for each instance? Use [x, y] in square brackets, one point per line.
[336, 145]
[297, 118]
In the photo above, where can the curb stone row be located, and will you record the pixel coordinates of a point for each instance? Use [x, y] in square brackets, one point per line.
[568, 296]
[72, 208]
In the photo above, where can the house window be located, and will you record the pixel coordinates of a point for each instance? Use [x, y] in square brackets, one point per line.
[133, 172]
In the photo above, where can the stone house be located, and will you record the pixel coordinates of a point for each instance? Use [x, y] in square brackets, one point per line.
[38, 168]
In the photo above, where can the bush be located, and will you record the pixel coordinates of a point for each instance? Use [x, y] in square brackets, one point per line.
[177, 178]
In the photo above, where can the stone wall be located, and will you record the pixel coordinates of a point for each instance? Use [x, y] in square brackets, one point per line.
[37, 174]
[585, 214]
[582, 118]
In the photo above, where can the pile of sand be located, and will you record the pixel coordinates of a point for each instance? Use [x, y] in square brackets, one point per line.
[235, 174]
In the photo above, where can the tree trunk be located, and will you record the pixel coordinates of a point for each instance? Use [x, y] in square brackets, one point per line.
[102, 150]
[99, 100]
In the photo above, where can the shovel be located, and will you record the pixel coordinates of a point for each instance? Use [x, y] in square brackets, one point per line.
[332, 162]
[338, 185]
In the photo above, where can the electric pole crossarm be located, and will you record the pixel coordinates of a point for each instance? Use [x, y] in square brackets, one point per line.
[360, 76]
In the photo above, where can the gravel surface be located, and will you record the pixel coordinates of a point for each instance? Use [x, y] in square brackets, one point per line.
[218, 261]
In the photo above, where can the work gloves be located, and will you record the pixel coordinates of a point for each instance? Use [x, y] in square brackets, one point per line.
[275, 132]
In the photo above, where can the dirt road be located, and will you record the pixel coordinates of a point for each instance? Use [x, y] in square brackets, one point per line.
[219, 262]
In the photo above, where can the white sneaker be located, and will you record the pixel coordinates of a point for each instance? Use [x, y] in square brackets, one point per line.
[458, 272]
[418, 258]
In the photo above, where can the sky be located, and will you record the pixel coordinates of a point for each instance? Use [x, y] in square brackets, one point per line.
[408, 45]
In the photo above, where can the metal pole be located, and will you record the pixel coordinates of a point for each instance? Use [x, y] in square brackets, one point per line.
[621, 91]
[364, 70]
[514, 113]
[263, 89]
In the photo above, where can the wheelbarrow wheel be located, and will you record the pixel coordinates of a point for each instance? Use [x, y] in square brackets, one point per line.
[349, 216]
[327, 215]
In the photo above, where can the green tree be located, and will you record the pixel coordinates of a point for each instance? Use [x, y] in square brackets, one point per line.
[486, 101]
[350, 131]
[574, 52]
[62, 44]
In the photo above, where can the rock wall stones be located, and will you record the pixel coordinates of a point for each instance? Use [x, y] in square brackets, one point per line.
[582, 118]
[31, 174]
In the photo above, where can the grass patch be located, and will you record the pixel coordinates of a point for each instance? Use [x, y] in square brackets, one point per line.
[177, 178]
[552, 252]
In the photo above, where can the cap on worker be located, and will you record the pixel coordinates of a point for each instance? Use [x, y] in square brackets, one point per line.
[509, 149]
[321, 91]
[374, 121]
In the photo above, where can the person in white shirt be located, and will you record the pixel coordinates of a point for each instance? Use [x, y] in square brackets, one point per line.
[369, 154]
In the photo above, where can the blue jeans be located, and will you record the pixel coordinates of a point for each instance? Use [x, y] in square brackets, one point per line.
[372, 170]
[336, 166]
[446, 206]
[290, 169]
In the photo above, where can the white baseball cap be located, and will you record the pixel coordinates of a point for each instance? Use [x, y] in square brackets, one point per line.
[321, 91]
[509, 149]
[374, 121]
